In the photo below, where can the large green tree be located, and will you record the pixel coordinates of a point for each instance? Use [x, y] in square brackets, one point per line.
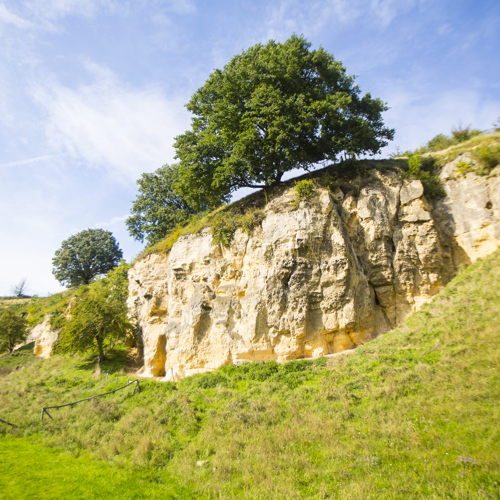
[272, 109]
[13, 330]
[98, 316]
[158, 209]
[84, 256]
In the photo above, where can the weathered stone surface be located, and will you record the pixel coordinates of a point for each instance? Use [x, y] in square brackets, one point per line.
[411, 191]
[318, 280]
[44, 338]
[334, 273]
[470, 213]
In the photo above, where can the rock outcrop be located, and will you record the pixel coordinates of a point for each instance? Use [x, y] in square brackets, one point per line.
[44, 338]
[320, 279]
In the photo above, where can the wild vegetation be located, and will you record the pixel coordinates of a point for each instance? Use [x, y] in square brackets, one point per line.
[409, 415]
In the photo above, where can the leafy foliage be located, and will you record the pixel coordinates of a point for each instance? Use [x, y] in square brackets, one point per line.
[84, 256]
[225, 223]
[488, 156]
[98, 317]
[423, 169]
[303, 190]
[158, 209]
[462, 134]
[272, 109]
[13, 330]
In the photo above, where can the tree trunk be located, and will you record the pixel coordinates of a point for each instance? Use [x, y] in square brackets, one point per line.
[101, 350]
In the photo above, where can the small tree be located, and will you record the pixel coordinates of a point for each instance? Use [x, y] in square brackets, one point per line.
[98, 318]
[13, 330]
[84, 256]
[158, 210]
[21, 288]
[496, 125]
[272, 109]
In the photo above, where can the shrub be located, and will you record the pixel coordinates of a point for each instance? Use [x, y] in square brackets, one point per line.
[303, 190]
[225, 223]
[424, 170]
[439, 142]
[223, 228]
[462, 134]
[463, 167]
[488, 156]
[13, 330]
[251, 219]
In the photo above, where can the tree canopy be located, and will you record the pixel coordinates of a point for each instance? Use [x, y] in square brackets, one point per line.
[98, 317]
[84, 256]
[158, 209]
[13, 330]
[272, 109]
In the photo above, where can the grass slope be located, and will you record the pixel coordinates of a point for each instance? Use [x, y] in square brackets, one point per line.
[30, 470]
[413, 414]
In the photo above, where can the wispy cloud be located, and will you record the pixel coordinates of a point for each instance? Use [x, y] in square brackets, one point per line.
[111, 126]
[112, 222]
[419, 115]
[289, 16]
[28, 161]
[7, 17]
[47, 14]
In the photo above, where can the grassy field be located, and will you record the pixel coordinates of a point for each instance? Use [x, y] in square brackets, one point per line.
[413, 414]
[30, 470]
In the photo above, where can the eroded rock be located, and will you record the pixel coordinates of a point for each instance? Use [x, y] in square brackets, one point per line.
[323, 278]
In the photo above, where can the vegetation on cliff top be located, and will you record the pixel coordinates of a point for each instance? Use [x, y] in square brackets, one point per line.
[409, 415]
[349, 175]
[272, 109]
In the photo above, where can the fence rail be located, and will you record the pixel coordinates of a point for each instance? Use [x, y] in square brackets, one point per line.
[8, 423]
[45, 408]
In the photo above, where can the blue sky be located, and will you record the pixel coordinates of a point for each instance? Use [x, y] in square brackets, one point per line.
[92, 93]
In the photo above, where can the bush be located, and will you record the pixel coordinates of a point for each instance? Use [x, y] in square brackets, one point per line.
[13, 330]
[463, 167]
[424, 170]
[462, 134]
[223, 228]
[439, 142]
[225, 223]
[488, 156]
[303, 190]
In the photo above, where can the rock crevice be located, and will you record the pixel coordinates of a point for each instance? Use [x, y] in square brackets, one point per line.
[328, 276]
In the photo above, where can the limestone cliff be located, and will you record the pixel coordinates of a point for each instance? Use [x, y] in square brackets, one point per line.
[333, 273]
[44, 338]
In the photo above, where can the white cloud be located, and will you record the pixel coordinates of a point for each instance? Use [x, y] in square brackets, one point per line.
[28, 161]
[113, 221]
[290, 16]
[47, 14]
[8, 17]
[122, 130]
[420, 115]
[50, 10]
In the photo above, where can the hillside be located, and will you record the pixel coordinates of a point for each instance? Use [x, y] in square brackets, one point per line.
[409, 415]
[316, 266]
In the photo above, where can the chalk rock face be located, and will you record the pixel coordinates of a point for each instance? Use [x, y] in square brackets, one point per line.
[44, 338]
[470, 213]
[320, 279]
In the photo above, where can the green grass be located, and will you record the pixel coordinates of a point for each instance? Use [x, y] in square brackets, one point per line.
[413, 414]
[453, 152]
[31, 470]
